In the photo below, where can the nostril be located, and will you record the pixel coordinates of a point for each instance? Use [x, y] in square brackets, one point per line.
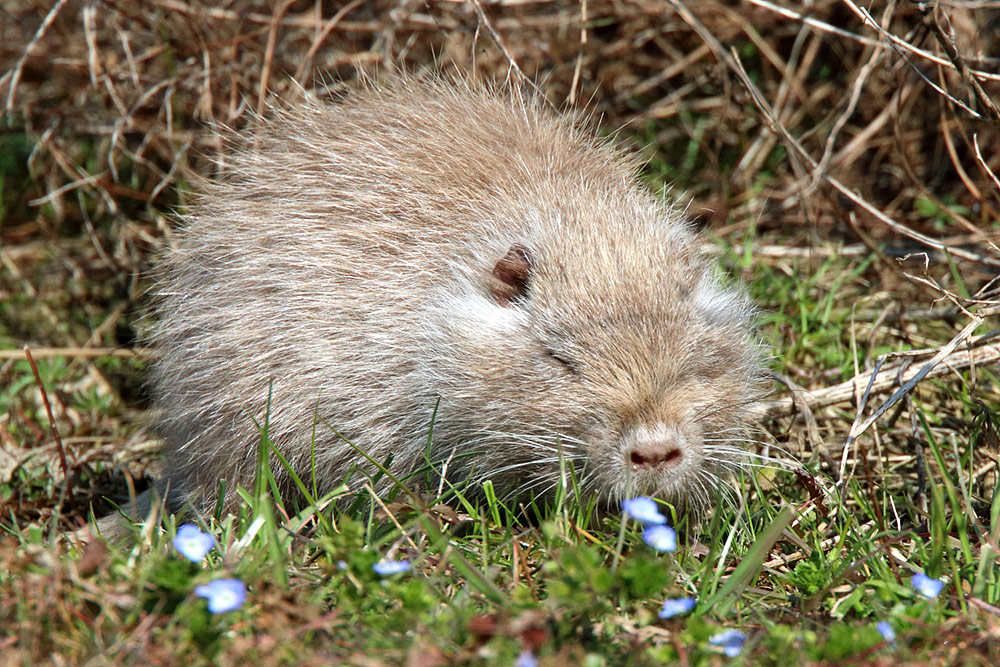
[655, 457]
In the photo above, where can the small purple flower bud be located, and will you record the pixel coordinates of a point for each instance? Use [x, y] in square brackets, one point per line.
[661, 538]
[731, 642]
[223, 594]
[643, 509]
[886, 631]
[192, 543]
[929, 587]
[390, 567]
[677, 607]
[526, 659]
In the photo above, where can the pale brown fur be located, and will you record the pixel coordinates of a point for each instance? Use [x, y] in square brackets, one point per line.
[342, 268]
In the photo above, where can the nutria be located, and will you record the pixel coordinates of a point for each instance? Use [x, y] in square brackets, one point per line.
[438, 271]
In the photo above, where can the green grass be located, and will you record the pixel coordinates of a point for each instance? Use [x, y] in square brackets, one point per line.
[804, 566]
[804, 563]
[481, 591]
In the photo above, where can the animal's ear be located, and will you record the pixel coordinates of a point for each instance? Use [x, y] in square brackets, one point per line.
[509, 282]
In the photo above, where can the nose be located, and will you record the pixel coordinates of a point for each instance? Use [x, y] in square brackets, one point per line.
[655, 456]
[657, 447]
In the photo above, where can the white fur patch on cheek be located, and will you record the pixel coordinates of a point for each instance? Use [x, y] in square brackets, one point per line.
[483, 318]
[718, 305]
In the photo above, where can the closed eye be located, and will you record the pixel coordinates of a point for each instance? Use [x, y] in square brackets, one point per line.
[566, 363]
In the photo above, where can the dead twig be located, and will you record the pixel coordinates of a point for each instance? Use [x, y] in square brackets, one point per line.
[843, 392]
[852, 102]
[483, 20]
[958, 62]
[64, 491]
[798, 152]
[321, 36]
[272, 36]
[857, 429]
[898, 41]
[18, 69]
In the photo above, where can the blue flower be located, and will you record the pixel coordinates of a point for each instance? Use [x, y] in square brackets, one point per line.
[731, 642]
[929, 587]
[661, 538]
[676, 607]
[526, 659]
[223, 595]
[389, 567]
[644, 509]
[192, 543]
[886, 631]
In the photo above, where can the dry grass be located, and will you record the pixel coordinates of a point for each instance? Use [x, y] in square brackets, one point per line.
[865, 132]
[849, 161]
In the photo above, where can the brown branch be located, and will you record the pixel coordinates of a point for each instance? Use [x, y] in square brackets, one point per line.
[15, 77]
[52, 425]
[959, 63]
[954, 360]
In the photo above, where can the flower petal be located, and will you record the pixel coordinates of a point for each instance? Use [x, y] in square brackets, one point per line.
[731, 641]
[389, 567]
[661, 538]
[676, 607]
[929, 587]
[526, 659]
[643, 509]
[192, 543]
[223, 594]
[886, 631]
